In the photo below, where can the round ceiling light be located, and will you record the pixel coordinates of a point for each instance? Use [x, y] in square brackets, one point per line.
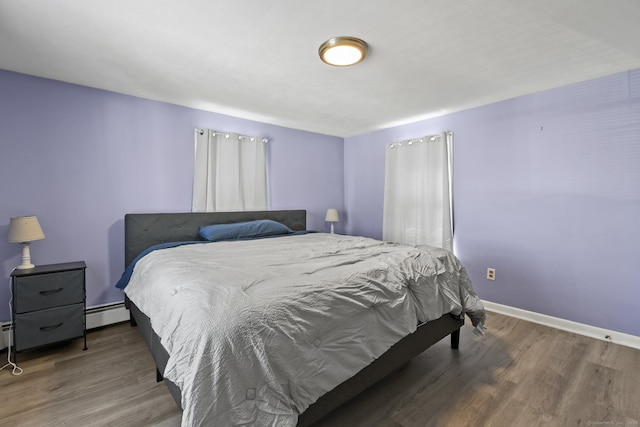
[342, 51]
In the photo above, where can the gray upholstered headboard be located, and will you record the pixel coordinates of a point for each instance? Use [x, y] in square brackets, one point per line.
[144, 230]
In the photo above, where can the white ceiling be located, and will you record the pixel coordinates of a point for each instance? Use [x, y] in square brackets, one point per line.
[258, 59]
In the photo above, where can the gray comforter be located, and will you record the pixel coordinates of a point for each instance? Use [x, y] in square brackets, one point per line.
[257, 330]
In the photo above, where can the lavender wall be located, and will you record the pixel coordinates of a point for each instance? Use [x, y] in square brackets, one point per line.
[546, 190]
[547, 186]
[80, 158]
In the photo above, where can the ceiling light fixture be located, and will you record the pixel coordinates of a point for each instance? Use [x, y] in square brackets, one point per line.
[342, 51]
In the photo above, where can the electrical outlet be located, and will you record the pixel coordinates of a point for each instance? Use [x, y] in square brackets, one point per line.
[491, 273]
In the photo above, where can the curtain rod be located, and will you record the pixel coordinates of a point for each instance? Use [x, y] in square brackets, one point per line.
[227, 134]
[412, 140]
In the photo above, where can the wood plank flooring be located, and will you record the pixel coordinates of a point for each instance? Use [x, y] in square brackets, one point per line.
[519, 374]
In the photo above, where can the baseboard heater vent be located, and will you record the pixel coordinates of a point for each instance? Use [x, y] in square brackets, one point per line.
[98, 317]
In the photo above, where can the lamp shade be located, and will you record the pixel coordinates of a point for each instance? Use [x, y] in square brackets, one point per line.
[24, 229]
[332, 215]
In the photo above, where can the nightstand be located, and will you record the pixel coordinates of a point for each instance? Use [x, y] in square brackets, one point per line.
[48, 305]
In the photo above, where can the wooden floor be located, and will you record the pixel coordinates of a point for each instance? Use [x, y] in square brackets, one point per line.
[519, 374]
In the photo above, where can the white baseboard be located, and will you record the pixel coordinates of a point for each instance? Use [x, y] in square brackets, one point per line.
[5, 330]
[565, 325]
[97, 317]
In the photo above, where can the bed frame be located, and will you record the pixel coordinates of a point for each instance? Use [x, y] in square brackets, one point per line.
[145, 230]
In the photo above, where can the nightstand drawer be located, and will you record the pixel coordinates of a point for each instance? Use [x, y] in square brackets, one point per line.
[42, 291]
[49, 326]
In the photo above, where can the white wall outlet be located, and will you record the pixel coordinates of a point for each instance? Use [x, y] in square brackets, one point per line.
[491, 273]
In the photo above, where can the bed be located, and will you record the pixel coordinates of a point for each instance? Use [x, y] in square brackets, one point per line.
[143, 231]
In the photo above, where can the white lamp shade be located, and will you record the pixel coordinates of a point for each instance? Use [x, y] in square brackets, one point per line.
[332, 215]
[24, 229]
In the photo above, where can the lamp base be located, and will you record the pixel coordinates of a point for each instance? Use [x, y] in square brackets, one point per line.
[26, 258]
[25, 266]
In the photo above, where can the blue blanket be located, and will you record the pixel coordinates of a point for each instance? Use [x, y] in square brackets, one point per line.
[126, 276]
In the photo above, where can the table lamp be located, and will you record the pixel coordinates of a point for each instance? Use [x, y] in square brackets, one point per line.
[25, 229]
[332, 216]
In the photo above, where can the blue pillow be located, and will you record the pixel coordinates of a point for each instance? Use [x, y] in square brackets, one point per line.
[243, 230]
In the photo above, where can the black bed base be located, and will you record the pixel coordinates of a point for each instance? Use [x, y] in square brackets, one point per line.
[401, 353]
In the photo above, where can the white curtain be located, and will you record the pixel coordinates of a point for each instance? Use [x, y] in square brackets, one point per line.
[417, 192]
[230, 172]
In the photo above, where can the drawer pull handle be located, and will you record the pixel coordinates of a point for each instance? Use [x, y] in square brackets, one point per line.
[48, 328]
[54, 291]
